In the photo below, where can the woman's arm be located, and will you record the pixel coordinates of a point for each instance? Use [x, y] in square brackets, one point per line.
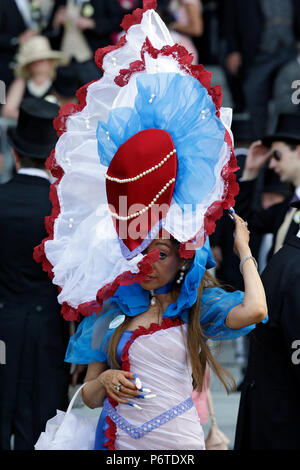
[101, 381]
[14, 98]
[195, 24]
[253, 309]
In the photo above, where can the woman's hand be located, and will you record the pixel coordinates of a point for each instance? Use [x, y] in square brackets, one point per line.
[85, 23]
[60, 18]
[242, 236]
[113, 377]
[234, 62]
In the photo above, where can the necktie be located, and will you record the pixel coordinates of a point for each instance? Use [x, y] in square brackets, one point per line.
[294, 199]
[283, 229]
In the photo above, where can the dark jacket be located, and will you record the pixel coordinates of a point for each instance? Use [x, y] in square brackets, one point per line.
[34, 379]
[264, 220]
[242, 26]
[107, 16]
[11, 26]
[269, 411]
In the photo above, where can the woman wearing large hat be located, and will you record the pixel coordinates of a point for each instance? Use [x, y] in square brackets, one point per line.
[35, 71]
[144, 167]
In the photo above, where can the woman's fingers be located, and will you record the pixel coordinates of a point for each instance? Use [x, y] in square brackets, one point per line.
[127, 388]
[240, 221]
[126, 383]
[128, 392]
[116, 397]
[237, 217]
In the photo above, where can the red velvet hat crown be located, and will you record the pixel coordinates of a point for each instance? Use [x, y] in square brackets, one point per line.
[139, 184]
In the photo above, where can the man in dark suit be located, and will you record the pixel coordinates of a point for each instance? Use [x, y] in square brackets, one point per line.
[269, 411]
[260, 37]
[94, 22]
[16, 26]
[34, 378]
[282, 150]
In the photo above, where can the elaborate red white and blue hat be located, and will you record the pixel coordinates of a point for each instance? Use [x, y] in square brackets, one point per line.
[147, 152]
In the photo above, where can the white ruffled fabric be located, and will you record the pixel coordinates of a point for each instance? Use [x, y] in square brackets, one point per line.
[85, 251]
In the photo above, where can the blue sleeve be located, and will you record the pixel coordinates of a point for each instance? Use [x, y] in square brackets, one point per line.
[215, 306]
[91, 340]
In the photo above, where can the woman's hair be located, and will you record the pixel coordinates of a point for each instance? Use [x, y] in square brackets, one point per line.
[198, 348]
[197, 341]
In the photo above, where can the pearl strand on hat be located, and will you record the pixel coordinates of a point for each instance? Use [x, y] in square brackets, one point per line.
[136, 214]
[144, 173]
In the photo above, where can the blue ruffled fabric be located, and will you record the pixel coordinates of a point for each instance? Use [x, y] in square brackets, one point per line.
[90, 342]
[197, 141]
[134, 300]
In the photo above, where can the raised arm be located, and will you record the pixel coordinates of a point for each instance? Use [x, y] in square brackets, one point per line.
[194, 27]
[253, 309]
[14, 97]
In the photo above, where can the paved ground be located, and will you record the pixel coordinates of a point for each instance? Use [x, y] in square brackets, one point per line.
[226, 406]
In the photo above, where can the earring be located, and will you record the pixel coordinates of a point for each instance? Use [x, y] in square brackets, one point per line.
[181, 275]
[153, 299]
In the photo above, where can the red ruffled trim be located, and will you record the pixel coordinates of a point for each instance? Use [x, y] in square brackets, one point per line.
[214, 212]
[110, 432]
[124, 279]
[145, 265]
[88, 308]
[141, 331]
[124, 75]
[184, 59]
[128, 21]
[231, 189]
[137, 15]
[101, 53]
[57, 171]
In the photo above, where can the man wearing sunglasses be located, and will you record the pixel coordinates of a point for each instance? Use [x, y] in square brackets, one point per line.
[281, 152]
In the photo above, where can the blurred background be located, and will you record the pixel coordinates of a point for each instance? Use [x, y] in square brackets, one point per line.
[252, 48]
[47, 50]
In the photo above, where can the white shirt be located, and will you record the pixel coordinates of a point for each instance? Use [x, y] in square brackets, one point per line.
[298, 194]
[34, 172]
[25, 10]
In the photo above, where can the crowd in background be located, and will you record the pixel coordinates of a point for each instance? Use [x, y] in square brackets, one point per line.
[47, 50]
[252, 48]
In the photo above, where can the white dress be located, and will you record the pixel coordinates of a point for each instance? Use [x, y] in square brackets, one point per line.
[160, 360]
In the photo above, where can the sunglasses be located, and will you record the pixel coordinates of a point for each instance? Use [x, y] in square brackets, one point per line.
[276, 155]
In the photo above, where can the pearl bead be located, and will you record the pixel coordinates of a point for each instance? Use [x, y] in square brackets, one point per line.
[144, 173]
